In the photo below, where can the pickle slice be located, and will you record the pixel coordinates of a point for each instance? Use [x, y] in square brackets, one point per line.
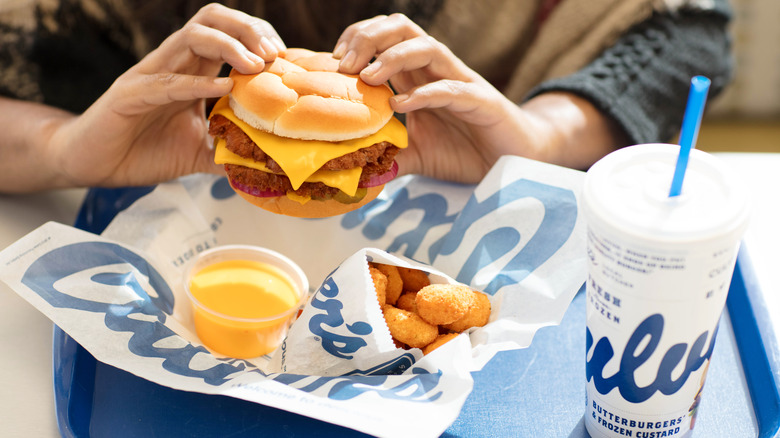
[346, 199]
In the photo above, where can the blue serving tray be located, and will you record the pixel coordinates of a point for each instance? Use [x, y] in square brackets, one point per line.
[536, 392]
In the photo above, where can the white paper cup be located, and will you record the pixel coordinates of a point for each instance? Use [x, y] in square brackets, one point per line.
[659, 272]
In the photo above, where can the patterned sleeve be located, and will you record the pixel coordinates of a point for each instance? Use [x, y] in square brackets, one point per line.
[17, 74]
[64, 53]
[642, 81]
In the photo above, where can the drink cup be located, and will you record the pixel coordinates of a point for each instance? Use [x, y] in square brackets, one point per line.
[659, 272]
[244, 299]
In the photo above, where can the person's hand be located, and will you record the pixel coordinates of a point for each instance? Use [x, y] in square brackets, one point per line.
[150, 124]
[458, 123]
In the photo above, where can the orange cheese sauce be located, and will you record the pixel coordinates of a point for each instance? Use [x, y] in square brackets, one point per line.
[245, 307]
[244, 289]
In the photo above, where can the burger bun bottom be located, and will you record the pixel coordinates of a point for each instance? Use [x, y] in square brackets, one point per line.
[312, 209]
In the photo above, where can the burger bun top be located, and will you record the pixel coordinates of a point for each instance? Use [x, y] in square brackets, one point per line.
[302, 95]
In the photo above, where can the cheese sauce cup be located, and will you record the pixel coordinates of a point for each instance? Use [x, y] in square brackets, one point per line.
[244, 298]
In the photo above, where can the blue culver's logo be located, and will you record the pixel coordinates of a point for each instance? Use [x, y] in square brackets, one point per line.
[144, 316]
[112, 266]
[342, 345]
[633, 358]
[322, 324]
[377, 217]
[560, 216]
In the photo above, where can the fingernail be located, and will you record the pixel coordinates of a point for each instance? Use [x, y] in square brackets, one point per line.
[348, 61]
[338, 52]
[279, 44]
[222, 81]
[267, 45]
[399, 98]
[372, 68]
[254, 57]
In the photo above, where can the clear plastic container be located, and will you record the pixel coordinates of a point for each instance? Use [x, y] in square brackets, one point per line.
[244, 299]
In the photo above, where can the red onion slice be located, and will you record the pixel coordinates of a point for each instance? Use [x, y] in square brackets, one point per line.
[254, 191]
[384, 178]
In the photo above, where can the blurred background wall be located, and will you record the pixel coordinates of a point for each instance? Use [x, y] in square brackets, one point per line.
[746, 116]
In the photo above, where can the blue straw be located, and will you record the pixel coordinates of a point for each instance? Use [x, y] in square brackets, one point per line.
[690, 129]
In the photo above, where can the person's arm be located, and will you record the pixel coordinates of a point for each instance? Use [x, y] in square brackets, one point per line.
[571, 131]
[26, 162]
[642, 81]
[150, 125]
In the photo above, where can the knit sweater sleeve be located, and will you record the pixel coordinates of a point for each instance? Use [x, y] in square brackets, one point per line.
[642, 81]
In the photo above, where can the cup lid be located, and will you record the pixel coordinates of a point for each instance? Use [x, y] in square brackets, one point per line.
[628, 190]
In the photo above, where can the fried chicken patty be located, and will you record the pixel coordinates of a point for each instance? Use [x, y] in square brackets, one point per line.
[375, 160]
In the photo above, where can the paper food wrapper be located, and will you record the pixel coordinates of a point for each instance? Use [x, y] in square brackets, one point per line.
[343, 332]
[517, 236]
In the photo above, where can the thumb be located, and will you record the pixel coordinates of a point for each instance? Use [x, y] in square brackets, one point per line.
[409, 161]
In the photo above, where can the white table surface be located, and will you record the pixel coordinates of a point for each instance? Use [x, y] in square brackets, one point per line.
[26, 394]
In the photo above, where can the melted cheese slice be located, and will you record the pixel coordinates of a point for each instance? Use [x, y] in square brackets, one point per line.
[344, 180]
[300, 159]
